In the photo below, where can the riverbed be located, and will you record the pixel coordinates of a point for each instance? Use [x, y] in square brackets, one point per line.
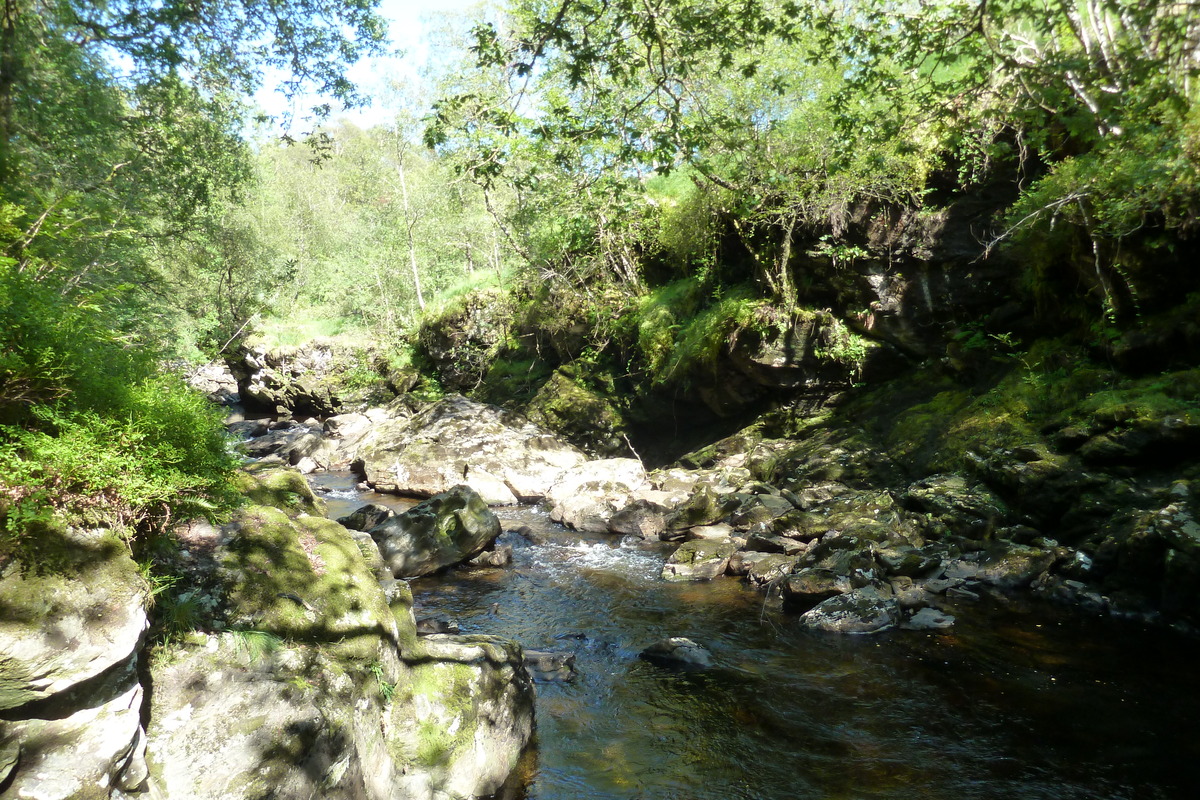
[1014, 701]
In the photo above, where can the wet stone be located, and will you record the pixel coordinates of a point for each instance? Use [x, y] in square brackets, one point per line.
[928, 619]
[677, 652]
[548, 667]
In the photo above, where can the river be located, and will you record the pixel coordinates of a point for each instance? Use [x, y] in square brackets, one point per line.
[1011, 702]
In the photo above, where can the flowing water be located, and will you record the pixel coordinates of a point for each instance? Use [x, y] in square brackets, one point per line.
[1006, 704]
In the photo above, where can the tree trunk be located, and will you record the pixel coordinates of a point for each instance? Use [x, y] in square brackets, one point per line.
[409, 223]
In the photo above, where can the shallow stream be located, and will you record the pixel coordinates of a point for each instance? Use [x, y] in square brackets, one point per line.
[1008, 703]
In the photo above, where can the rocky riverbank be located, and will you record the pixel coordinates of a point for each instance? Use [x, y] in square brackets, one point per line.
[286, 663]
[853, 532]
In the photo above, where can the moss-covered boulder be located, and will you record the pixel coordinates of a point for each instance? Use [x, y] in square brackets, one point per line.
[68, 618]
[466, 717]
[305, 579]
[447, 529]
[321, 688]
[72, 622]
[579, 414]
[699, 560]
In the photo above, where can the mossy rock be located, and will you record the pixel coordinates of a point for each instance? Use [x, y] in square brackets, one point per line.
[69, 622]
[284, 489]
[305, 579]
[582, 415]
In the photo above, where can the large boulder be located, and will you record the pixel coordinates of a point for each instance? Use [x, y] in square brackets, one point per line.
[322, 688]
[587, 497]
[469, 717]
[503, 457]
[72, 624]
[78, 614]
[447, 529]
[95, 751]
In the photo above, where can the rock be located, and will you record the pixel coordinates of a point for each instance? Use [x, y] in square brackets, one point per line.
[276, 441]
[767, 543]
[641, 518]
[909, 561]
[928, 619]
[547, 667]
[863, 610]
[500, 556]
[698, 560]
[285, 381]
[720, 531]
[66, 625]
[500, 455]
[327, 691]
[430, 625]
[472, 713]
[215, 380]
[968, 510]
[346, 432]
[586, 497]
[703, 507]
[247, 429]
[807, 587]
[365, 517]
[843, 554]
[1004, 565]
[582, 415]
[448, 529]
[758, 510]
[87, 753]
[679, 653]
[762, 568]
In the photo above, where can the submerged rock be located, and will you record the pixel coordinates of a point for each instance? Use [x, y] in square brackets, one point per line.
[677, 652]
[448, 529]
[550, 667]
[928, 619]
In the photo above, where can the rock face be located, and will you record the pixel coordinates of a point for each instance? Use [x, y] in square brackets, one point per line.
[303, 677]
[284, 382]
[447, 529]
[503, 457]
[471, 714]
[76, 620]
[70, 635]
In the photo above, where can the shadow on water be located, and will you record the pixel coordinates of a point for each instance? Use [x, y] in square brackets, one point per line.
[1007, 704]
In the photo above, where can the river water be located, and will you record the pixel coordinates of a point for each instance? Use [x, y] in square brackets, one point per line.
[1009, 703]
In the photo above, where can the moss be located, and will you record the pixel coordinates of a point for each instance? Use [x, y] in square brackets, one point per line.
[584, 416]
[284, 489]
[305, 580]
[450, 686]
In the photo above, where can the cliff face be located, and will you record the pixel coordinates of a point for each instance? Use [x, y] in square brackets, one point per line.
[1070, 398]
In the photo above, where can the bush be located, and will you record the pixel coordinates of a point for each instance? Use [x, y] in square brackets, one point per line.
[160, 458]
[90, 434]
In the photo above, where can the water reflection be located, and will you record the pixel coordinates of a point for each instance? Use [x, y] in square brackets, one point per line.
[1006, 704]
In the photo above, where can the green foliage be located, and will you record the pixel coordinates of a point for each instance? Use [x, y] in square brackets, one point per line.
[159, 456]
[256, 644]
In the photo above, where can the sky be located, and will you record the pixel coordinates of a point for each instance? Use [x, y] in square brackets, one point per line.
[409, 23]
